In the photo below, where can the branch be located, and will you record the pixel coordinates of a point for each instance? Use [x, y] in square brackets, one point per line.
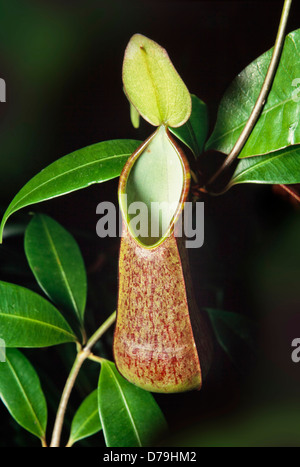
[81, 356]
[291, 192]
[262, 96]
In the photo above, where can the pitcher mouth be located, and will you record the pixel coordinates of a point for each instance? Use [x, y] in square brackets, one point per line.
[162, 202]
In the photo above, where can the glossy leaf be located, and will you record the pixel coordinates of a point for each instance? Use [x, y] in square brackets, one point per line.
[281, 167]
[236, 334]
[57, 264]
[93, 164]
[129, 415]
[152, 84]
[28, 320]
[154, 177]
[278, 126]
[86, 421]
[194, 132]
[21, 392]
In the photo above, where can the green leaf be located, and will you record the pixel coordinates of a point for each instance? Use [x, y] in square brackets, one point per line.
[93, 164]
[57, 264]
[21, 392]
[86, 421]
[194, 132]
[236, 334]
[129, 415]
[152, 84]
[155, 180]
[134, 116]
[278, 126]
[281, 167]
[28, 320]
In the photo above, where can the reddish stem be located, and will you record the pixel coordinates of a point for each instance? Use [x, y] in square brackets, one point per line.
[291, 192]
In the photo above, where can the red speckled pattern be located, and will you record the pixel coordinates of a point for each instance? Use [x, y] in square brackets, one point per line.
[154, 345]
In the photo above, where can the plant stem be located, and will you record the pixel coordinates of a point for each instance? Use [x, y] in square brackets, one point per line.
[103, 328]
[96, 359]
[262, 96]
[43, 442]
[82, 355]
[291, 192]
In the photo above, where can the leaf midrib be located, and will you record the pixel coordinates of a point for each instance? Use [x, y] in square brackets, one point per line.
[42, 433]
[74, 437]
[126, 406]
[62, 175]
[254, 167]
[241, 125]
[36, 321]
[152, 81]
[60, 268]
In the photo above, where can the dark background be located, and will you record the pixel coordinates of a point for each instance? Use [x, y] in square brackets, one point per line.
[61, 61]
